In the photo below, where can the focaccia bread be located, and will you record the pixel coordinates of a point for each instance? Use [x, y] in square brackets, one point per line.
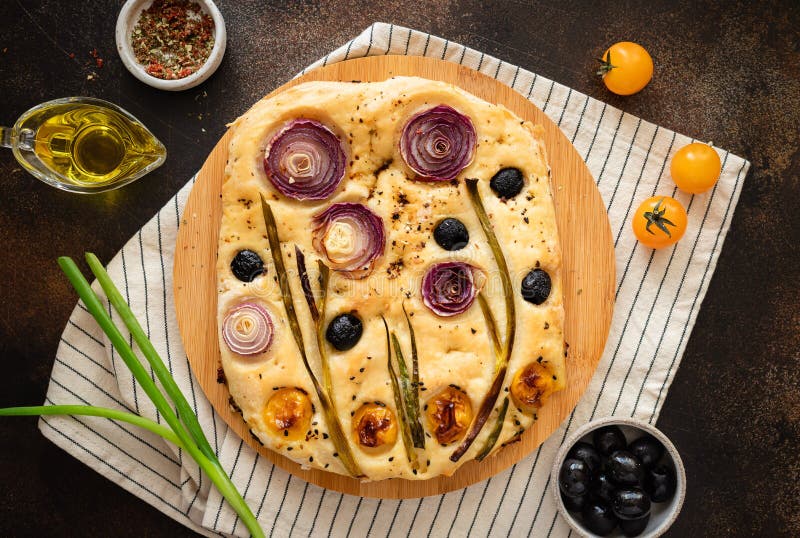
[386, 199]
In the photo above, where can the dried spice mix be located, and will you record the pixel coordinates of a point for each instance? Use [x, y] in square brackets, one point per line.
[172, 38]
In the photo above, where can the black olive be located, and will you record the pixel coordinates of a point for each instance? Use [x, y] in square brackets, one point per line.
[648, 449]
[247, 265]
[344, 331]
[634, 527]
[630, 503]
[587, 453]
[451, 234]
[574, 504]
[536, 286]
[598, 518]
[660, 483]
[573, 478]
[602, 487]
[507, 183]
[608, 439]
[625, 469]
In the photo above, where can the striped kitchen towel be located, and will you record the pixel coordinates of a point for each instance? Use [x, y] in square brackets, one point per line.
[658, 297]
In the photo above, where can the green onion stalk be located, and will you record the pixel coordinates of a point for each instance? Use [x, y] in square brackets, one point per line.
[419, 435]
[410, 396]
[334, 426]
[324, 276]
[492, 324]
[495, 434]
[184, 432]
[318, 316]
[502, 354]
[402, 410]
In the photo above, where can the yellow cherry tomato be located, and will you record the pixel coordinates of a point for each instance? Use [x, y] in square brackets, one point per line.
[695, 168]
[288, 414]
[374, 425]
[531, 386]
[626, 68]
[449, 414]
[659, 222]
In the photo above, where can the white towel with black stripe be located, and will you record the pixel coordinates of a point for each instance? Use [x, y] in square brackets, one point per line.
[658, 296]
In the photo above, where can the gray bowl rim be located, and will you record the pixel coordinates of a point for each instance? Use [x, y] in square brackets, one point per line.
[680, 471]
[131, 9]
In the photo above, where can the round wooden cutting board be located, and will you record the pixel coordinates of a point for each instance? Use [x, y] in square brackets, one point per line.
[588, 273]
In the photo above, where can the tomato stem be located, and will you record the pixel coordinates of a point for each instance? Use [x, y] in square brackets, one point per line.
[657, 217]
[605, 65]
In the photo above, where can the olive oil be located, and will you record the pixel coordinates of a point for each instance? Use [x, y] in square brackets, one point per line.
[84, 145]
[90, 144]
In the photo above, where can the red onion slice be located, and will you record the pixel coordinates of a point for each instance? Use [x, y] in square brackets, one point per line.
[449, 288]
[350, 237]
[438, 143]
[305, 160]
[247, 329]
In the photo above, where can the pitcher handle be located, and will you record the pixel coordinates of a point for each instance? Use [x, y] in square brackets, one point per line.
[5, 137]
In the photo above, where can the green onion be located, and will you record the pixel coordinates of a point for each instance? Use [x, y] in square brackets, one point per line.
[405, 429]
[159, 368]
[305, 283]
[505, 276]
[283, 281]
[318, 315]
[184, 410]
[501, 365]
[414, 355]
[334, 426]
[498, 427]
[92, 411]
[95, 307]
[324, 275]
[482, 416]
[410, 397]
[210, 465]
[492, 325]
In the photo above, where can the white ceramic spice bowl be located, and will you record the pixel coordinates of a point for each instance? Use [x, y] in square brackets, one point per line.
[126, 20]
[662, 515]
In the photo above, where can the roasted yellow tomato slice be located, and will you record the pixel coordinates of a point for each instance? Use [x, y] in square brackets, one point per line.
[288, 414]
[449, 414]
[374, 425]
[531, 386]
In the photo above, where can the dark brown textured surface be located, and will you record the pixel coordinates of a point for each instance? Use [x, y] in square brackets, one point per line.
[727, 72]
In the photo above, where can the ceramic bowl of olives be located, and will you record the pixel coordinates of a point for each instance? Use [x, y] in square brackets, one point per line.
[619, 477]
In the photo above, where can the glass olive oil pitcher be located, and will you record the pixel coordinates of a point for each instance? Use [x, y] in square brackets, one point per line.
[82, 144]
